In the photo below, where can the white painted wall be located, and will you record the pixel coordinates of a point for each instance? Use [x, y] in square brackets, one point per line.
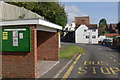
[70, 27]
[80, 35]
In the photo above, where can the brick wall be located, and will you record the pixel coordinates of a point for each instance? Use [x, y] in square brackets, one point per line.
[116, 42]
[48, 45]
[19, 64]
[81, 20]
[24, 65]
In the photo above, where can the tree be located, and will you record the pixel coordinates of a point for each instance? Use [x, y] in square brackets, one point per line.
[52, 11]
[103, 23]
[118, 27]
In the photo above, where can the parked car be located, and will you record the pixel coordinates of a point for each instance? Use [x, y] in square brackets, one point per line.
[107, 42]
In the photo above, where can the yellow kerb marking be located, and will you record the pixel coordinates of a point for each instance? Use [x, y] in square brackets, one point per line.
[74, 62]
[118, 63]
[70, 69]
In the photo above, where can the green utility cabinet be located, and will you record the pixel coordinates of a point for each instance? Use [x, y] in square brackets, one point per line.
[16, 39]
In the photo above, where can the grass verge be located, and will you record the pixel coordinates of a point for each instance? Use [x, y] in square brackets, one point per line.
[70, 52]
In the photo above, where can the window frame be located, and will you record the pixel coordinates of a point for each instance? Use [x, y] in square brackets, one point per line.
[87, 36]
[94, 37]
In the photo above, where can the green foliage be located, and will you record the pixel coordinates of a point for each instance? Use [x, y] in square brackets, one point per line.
[115, 38]
[70, 52]
[61, 33]
[118, 27]
[106, 31]
[103, 23]
[52, 11]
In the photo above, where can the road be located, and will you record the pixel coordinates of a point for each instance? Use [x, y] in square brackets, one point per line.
[98, 63]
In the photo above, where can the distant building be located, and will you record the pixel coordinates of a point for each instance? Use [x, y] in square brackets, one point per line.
[70, 27]
[111, 35]
[81, 20]
[86, 34]
[81, 31]
[112, 28]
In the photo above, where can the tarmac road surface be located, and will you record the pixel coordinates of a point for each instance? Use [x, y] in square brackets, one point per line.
[98, 63]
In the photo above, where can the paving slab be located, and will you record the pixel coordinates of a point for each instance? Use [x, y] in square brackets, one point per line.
[56, 69]
[44, 66]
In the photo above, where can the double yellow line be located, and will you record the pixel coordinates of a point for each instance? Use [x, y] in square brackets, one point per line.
[71, 68]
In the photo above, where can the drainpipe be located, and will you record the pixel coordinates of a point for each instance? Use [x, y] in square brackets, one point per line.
[90, 37]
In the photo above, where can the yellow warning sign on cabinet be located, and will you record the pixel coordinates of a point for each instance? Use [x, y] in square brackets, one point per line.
[5, 35]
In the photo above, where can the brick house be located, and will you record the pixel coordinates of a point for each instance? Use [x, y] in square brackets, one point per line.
[43, 45]
[82, 20]
[115, 38]
[112, 28]
[81, 31]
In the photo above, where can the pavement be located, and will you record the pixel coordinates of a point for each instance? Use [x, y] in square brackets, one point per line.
[51, 73]
[100, 62]
[44, 66]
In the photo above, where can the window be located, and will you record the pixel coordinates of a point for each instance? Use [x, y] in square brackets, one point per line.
[85, 30]
[82, 20]
[93, 36]
[94, 30]
[87, 36]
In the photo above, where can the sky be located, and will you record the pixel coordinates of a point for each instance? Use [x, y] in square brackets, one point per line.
[95, 10]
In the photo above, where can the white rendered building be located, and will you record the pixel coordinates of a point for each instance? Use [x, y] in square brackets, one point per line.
[86, 34]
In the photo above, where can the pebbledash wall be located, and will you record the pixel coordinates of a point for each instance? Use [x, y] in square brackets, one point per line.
[44, 46]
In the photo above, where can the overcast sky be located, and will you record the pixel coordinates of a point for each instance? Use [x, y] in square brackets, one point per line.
[95, 10]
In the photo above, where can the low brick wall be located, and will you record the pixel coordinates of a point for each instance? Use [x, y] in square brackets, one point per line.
[116, 42]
